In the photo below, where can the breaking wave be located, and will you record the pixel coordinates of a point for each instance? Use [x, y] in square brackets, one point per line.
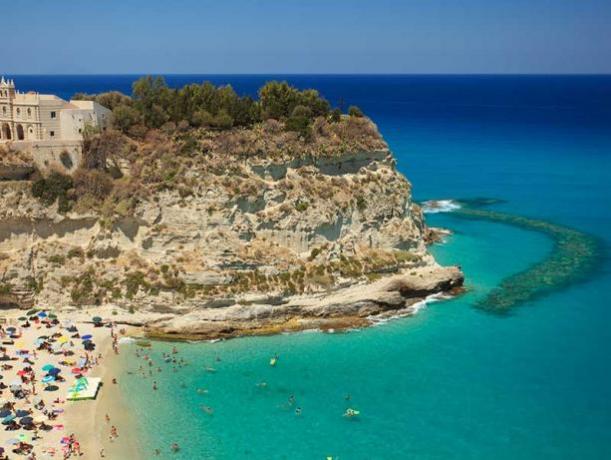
[436, 206]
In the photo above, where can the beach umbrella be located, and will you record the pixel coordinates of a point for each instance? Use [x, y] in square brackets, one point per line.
[22, 372]
[26, 420]
[54, 371]
[23, 437]
[8, 419]
[51, 388]
[22, 318]
[86, 337]
[22, 413]
[12, 441]
[11, 328]
[5, 413]
[63, 339]
[42, 314]
[33, 311]
[96, 319]
[48, 379]
[52, 316]
[48, 367]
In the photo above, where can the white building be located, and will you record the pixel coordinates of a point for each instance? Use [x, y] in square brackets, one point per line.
[27, 118]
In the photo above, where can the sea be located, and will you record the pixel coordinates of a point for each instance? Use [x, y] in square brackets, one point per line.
[455, 381]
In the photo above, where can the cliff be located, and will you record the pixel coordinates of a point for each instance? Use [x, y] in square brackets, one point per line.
[209, 233]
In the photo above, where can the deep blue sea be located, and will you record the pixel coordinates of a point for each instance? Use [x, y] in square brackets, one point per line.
[454, 381]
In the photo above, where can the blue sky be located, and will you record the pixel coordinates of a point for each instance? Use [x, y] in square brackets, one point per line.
[309, 36]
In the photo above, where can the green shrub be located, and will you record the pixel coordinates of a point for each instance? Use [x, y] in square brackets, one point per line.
[52, 188]
[57, 259]
[301, 206]
[354, 111]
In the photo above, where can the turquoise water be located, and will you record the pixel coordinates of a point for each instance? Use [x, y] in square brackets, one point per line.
[454, 381]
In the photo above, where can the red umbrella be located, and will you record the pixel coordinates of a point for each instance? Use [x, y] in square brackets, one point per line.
[22, 372]
[76, 370]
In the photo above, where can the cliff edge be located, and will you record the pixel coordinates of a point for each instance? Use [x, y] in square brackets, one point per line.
[213, 233]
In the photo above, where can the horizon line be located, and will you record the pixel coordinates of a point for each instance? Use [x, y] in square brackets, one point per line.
[474, 74]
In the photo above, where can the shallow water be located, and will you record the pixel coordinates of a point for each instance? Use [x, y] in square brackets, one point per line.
[454, 381]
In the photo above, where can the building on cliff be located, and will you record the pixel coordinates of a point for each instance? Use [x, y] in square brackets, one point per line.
[31, 117]
[45, 124]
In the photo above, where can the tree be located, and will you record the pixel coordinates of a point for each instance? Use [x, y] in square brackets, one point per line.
[299, 121]
[124, 117]
[152, 98]
[277, 99]
[354, 111]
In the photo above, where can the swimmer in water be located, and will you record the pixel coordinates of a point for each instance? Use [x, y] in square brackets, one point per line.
[208, 410]
[298, 411]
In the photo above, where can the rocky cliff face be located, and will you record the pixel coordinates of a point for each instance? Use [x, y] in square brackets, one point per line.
[247, 244]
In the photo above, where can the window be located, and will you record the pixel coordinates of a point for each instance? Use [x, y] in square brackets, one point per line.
[52, 133]
[29, 113]
[4, 111]
[18, 112]
[53, 115]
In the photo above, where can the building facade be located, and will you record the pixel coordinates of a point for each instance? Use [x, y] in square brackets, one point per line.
[27, 118]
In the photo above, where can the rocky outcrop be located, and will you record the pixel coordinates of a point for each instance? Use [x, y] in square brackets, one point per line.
[247, 245]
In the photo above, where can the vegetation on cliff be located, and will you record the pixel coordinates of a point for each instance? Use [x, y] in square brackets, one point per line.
[154, 105]
[196, 195]
[169, 139]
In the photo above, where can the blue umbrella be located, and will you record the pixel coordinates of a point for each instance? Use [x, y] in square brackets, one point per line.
[42, 314]
[7, 420]
[48, 379]
[5, 413]
[48, 367]
[54, 371]
[22, 413]
[87, 337]
[26, 420]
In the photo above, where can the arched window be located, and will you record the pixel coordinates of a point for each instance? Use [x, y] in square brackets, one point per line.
[29, 112]
[18, 112]
[4, 110]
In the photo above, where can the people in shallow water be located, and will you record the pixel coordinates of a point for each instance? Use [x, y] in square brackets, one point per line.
[175, 447]
[351, 412]
[291, 400]
[298, 411]
[208, 410]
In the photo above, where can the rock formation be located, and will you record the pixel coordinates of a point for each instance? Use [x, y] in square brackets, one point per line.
[217, 234]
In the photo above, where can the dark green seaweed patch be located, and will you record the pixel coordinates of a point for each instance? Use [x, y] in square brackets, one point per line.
[573, 256]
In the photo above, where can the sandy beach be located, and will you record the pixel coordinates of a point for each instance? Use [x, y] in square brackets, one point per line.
[25, 355]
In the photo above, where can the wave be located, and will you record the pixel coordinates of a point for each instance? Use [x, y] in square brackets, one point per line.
[437, 206]
[378, 320]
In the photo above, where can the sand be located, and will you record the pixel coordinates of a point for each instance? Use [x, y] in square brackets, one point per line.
[84, 419]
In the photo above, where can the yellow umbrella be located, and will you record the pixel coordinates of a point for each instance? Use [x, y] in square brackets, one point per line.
[62, 339]
[20, 344]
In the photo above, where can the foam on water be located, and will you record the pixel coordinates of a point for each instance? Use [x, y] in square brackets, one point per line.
[437, 206]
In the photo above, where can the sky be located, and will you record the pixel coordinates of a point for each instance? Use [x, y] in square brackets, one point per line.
[308, 36]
